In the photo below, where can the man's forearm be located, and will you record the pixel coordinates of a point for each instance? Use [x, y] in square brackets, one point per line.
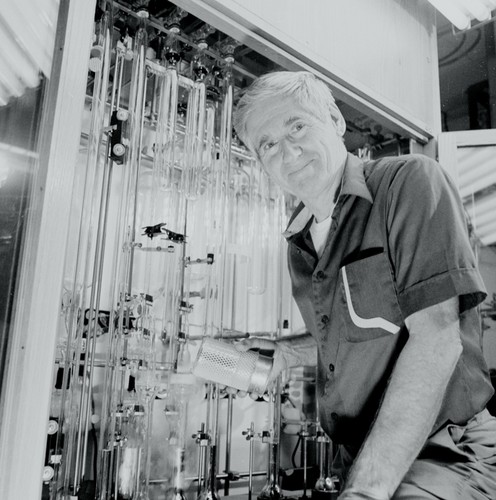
[406, 416]
[298, 350]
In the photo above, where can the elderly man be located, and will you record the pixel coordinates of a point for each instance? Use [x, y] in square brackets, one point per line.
[386, 281]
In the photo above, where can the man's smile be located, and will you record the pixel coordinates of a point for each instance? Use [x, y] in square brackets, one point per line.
[296, 170]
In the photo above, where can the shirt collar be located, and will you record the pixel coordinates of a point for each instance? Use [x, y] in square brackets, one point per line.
[352, 183]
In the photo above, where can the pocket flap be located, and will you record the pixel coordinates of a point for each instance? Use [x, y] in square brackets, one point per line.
[370, 294]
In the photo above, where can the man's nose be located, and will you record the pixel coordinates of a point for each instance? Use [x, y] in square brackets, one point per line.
[290, 150]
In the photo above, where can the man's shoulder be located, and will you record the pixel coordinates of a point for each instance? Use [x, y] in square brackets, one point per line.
[392, 167]
[391, 164]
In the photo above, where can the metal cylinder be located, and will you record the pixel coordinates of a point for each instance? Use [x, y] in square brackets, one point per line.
[221, 362]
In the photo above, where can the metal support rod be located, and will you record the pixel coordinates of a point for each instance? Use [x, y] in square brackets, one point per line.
[304, 441]
[250, 466]
[202, 440]
[116, 468]
[250, 433]
[219, 477]
[230, 399]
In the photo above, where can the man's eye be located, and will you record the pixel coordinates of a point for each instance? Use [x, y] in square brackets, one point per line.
[298, 126]
[268, 145]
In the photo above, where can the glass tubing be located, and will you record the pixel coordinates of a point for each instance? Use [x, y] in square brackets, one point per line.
[74, 406]
[191, 166]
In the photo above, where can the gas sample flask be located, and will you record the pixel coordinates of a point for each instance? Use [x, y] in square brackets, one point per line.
[182, 388]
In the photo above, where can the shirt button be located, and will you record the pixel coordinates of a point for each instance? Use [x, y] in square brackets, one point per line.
[331, 367]
[320, 275]
[334, 416]
[324, 319]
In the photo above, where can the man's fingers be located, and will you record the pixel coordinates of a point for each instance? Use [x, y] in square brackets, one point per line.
[231, 390]
[246, 345]
[254, 343]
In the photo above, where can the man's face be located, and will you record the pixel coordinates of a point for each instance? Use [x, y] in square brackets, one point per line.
[299, 151]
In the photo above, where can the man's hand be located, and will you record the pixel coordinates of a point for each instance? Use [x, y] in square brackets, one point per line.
[286, 353]
[266, 347]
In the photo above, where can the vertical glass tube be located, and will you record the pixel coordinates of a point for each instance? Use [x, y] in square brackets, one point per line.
[121, 294]
[238, 245]
[129, 439]
[259, 229]
[92, 333]
[167, 118]
[137, 111]
[181, 389]
[172, 299]
[174, 284]
[325, 481]
[208, 217]
[170, 131]
[160, 203]
[209, 487]
[193, 141]
[195, 129]
[146, 388]
[230, 401]
[220, 202]
[75, 387]
[272, 488]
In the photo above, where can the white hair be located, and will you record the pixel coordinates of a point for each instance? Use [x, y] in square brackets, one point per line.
[304, 87]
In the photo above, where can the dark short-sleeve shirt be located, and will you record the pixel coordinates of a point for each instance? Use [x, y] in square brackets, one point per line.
[398, 243]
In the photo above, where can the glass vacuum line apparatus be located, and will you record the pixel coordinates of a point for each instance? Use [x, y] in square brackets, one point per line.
[175, 237]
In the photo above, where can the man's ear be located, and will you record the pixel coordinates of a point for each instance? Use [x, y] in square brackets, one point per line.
[337, 118]
[340, 123]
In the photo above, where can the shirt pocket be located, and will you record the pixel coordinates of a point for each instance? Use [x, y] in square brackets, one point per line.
[370, 308]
